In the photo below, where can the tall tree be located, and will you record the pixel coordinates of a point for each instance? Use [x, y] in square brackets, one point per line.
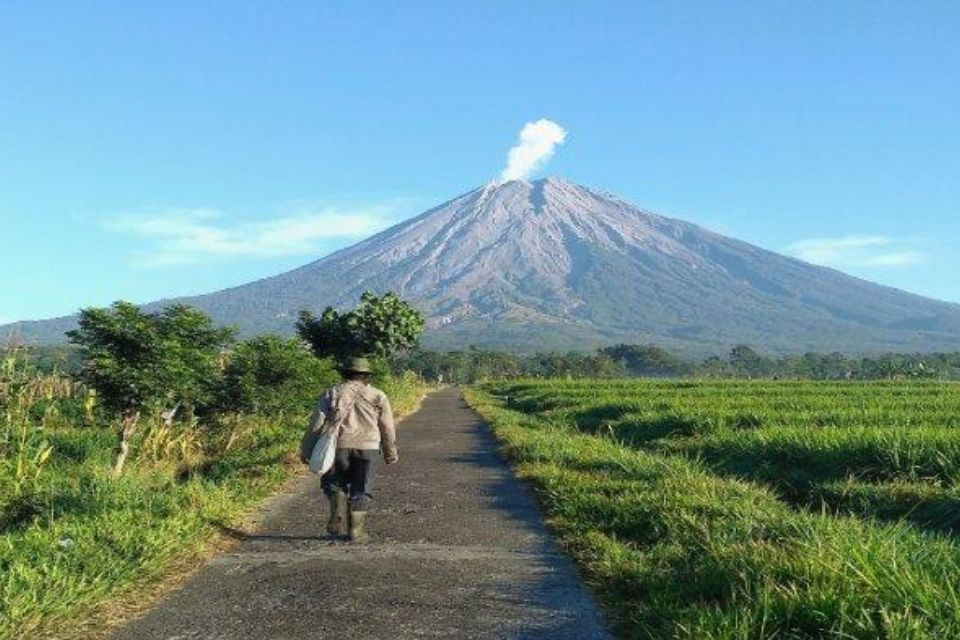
[747, 362]
[378, 327]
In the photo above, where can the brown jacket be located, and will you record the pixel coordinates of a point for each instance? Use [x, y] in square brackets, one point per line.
[369, 421]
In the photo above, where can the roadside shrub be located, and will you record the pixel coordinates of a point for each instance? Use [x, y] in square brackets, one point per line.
[269, 374]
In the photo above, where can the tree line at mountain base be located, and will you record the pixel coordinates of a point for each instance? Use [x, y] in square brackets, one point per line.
[631, 360]
[623, 360]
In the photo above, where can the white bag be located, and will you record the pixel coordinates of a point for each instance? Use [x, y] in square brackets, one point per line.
[321, 460]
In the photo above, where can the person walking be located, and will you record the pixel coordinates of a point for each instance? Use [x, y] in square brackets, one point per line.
[366, 430]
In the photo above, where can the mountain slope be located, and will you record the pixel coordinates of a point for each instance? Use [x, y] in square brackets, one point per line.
[551, 264]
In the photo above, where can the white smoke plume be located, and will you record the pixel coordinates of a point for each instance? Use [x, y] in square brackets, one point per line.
[538, 140]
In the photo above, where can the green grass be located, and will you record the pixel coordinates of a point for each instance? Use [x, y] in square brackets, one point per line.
[92, 535]
[72, 537]
[684, 526]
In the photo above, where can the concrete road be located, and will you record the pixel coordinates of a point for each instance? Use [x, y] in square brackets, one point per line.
[458, 550]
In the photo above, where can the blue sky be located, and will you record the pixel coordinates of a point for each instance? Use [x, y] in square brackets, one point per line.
[155, 149]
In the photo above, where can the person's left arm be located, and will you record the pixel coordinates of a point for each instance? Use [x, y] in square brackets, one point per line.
[388, 432]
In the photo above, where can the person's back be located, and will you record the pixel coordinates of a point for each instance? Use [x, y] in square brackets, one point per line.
[366, 427]
[368, 419]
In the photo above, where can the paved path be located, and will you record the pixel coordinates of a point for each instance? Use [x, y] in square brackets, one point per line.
[458, 550]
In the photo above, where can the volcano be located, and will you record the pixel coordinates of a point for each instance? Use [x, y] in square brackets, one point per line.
[551, 264]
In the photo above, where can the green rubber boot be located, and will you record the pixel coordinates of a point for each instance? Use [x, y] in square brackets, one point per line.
[337, 524]
[358, 526]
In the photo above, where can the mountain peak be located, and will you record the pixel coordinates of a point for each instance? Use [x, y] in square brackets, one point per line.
[539, 182]
[521, 197]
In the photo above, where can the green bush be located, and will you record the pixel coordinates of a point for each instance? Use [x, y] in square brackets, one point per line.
[269, 374]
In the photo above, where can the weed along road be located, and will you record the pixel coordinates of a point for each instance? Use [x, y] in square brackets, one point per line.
[458, 550]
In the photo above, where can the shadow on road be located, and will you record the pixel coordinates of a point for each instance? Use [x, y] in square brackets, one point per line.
[243, 536]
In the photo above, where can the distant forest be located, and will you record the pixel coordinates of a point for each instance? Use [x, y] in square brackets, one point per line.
[631, 360]
[627, 360]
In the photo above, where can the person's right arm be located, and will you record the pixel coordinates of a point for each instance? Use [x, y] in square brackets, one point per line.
[320, 412]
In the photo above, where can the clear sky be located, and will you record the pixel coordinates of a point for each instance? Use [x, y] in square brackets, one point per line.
[155, 149]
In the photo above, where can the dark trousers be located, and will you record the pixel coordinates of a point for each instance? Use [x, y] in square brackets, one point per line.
[352, 473]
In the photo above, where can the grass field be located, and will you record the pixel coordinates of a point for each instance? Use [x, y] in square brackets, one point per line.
[72, 536]
[749, 509]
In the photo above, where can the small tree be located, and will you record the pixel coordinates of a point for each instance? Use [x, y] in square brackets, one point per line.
[378, 327]
[135, 359]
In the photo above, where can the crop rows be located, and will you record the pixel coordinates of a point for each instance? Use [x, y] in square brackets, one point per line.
[725, 501]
